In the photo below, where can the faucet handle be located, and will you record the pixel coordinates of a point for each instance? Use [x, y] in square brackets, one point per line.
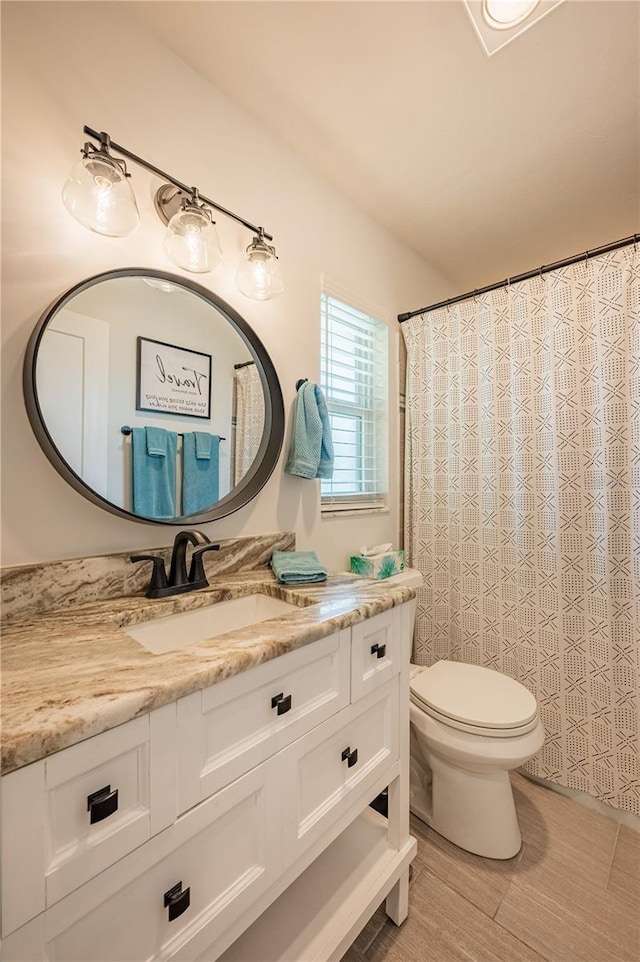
[197, 577]
[158, 575]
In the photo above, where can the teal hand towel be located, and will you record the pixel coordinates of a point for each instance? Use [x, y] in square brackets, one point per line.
[154, 472]
[311, 449]
[297, 567]
[156, 441]
[200, 473]
[203, 445]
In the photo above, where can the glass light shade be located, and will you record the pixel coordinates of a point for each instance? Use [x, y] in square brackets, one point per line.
[504, 14]
[259, 276]
[191, 241]
[98, 195]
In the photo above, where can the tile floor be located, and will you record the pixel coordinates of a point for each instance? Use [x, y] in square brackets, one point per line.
[572, 894]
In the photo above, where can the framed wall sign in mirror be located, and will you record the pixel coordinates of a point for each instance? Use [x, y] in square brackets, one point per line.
[153, 397]
[173, 379]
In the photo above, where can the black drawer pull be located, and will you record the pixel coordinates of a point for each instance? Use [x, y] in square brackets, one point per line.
[379, 650]
[177, 901]
[102, 804]
[350, 757]
[282, 704]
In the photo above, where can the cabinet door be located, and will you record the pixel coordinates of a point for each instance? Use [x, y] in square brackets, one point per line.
[334, 766]
[377, 651]
[189, 882]
[68, 817]
[227, 729]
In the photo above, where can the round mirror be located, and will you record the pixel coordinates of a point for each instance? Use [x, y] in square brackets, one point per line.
[153, 398]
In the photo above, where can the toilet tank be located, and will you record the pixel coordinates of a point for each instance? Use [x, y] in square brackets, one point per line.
[410, 576]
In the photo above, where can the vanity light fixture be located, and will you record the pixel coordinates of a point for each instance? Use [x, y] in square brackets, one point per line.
[259, 275]
[159, 285]
[191, 240]
[98, 195]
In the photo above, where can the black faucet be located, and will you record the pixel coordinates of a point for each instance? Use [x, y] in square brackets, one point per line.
[179, 581]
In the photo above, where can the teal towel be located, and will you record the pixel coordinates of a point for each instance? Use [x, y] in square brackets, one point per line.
[154, 472]
[200, 471]
[311, 449]
[156, 441]
[297, 567]
[203, 445]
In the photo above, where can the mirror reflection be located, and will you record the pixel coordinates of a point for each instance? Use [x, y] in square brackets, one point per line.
[151, 396]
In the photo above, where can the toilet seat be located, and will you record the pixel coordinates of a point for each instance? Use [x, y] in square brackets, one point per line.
[475, 700]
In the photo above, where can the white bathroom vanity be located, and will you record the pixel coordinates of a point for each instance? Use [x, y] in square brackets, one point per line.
[233, 821]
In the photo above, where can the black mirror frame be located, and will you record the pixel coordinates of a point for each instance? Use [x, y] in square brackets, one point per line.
[273, 431]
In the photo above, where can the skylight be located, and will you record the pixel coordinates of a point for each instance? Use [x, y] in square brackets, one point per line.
[502, 14]
[498, 22]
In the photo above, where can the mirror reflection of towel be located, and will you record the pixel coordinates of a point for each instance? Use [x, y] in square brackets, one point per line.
[203, 445]
[157, 440]
[200, 471]
[154, 472]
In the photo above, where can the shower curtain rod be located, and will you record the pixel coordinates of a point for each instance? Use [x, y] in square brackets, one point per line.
[633, 239]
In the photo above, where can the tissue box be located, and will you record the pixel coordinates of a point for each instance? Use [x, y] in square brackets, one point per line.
[378, 566]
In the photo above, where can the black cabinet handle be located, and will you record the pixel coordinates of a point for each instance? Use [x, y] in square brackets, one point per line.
[102, 803]
[379, 650]
[350, 757]
[177, 901]
[282, 704]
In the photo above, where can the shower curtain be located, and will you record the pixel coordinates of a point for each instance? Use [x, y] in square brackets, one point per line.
[249, 419]
[522, 504]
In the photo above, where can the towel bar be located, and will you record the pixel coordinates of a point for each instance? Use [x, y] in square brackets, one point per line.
[125, 429]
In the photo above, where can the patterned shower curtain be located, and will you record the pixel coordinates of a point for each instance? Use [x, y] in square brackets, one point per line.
[523, 504]
[248, 419]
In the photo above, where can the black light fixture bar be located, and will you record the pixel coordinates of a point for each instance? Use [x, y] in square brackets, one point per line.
[104, 139]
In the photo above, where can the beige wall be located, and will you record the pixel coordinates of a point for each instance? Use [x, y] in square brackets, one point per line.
[67, 64]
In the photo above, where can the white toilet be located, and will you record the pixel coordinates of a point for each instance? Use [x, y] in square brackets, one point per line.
[470, 726]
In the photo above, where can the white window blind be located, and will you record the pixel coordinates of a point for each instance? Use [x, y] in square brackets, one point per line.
[354, 378]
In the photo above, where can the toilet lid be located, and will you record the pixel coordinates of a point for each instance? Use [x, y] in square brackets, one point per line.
[473, 696]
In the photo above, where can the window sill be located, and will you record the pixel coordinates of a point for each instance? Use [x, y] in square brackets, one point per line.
[330, 513]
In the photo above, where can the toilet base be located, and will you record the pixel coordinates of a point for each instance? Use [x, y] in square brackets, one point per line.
[475, 811]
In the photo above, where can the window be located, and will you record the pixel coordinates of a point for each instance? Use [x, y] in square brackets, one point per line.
[354, 375]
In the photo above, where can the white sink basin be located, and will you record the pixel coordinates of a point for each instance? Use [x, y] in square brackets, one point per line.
[191, 627]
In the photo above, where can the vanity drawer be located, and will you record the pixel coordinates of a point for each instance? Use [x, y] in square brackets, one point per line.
[229, 728]
[344, 757]
[377, 652]
[71, 815]
[225, 853]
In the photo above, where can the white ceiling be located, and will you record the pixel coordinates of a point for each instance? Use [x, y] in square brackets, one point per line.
[487, 166]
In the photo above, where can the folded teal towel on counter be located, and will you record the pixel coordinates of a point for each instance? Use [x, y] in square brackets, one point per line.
[297, 567]
[154, 472]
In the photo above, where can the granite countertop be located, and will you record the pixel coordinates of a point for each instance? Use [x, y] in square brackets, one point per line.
[72, 673]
